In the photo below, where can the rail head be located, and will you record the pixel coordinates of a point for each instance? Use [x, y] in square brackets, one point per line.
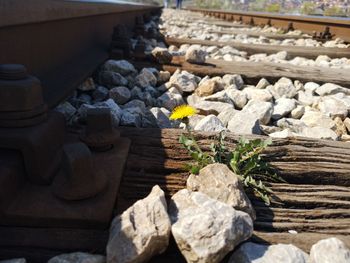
[337, 27]
[19, 12]
[294, 18]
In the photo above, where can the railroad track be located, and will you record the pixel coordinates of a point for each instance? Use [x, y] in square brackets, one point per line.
[339, 27]
[61, 40]
[316, 170]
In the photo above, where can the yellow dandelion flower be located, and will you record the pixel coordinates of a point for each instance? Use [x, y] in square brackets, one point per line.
[182, 111]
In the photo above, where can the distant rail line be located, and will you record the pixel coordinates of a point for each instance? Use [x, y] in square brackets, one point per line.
[337, 27]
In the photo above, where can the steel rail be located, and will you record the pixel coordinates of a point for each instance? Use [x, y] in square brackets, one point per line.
[61, 42]
[339, 27]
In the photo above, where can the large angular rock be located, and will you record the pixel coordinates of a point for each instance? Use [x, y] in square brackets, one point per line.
[333, 107]
[292, 124]
[208, 87]
[220, 183]
[286, 133]
[67, 109]
[83, 98]
[100, 94]
[260, 109]
[122, 67]
[161, 116]
[146, 78]
[78, 257]
[87, 85]
[164, 76]
[226, 115]
[281, 253]
[131, 117]
[205, 229]
[116, 111]
[262, 84]
[305, 98]
[253, 93]
[135, 104]
[330, 88]
[219, 96]
[347, 124]
[329, 250]
[195, 54]
[310, 87]
[341, 128]
[316, 118]
[265, 129]
[170, 99]
[283, 88]
[210, 123]
[120, 95]
[298, 85]
[154, 92]
[343, 98]
[239, 98]
[142, 231]
[244, 123]
[319, 133]
[136, 93]
[298, 112]
[194, 99]
[162, 55]
[183, 81]
[111, 79]
[234, 79]
[194, 120]
[283, 107]
[148, 120]
[211, 107]
[249, 119]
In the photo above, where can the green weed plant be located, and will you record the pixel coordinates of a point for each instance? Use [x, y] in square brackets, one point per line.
[244, 160]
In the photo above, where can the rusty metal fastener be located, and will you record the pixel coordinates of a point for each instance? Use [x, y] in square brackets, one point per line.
[120, 40]
[99, 134]
[140, 48]
[139, 26]
[18, 90]
[21, 98]
[78, 178]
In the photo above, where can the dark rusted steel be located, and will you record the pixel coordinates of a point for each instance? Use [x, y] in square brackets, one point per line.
[339, 27]
[78, 178]
[121, 44]
[290, 27]
[64, 47]
[18, 90]
[99, 134]
[326, 34]
[41, 154]
[322, 36]
[40, 164]
[269, 22]
[140, 48]
[21, 98]
[139, 26]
